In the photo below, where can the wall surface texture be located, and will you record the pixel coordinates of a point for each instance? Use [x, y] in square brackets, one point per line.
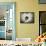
[27, 30]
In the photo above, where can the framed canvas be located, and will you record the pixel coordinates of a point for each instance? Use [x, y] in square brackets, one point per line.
[26, 17]
[42, 1]
[7, 20]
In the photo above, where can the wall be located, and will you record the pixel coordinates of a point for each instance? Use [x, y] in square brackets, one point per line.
[27, 30]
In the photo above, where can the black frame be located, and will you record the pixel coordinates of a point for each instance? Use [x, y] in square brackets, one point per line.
[26, 13]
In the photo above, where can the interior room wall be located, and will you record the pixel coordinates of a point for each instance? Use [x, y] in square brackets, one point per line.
[27, 30]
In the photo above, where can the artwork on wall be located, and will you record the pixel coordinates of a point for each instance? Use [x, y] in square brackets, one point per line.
[26, 17]
[42, 1]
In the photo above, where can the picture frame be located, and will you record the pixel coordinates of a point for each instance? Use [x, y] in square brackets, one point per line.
[26, 17]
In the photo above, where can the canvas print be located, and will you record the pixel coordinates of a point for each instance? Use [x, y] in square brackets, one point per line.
[27, 17]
